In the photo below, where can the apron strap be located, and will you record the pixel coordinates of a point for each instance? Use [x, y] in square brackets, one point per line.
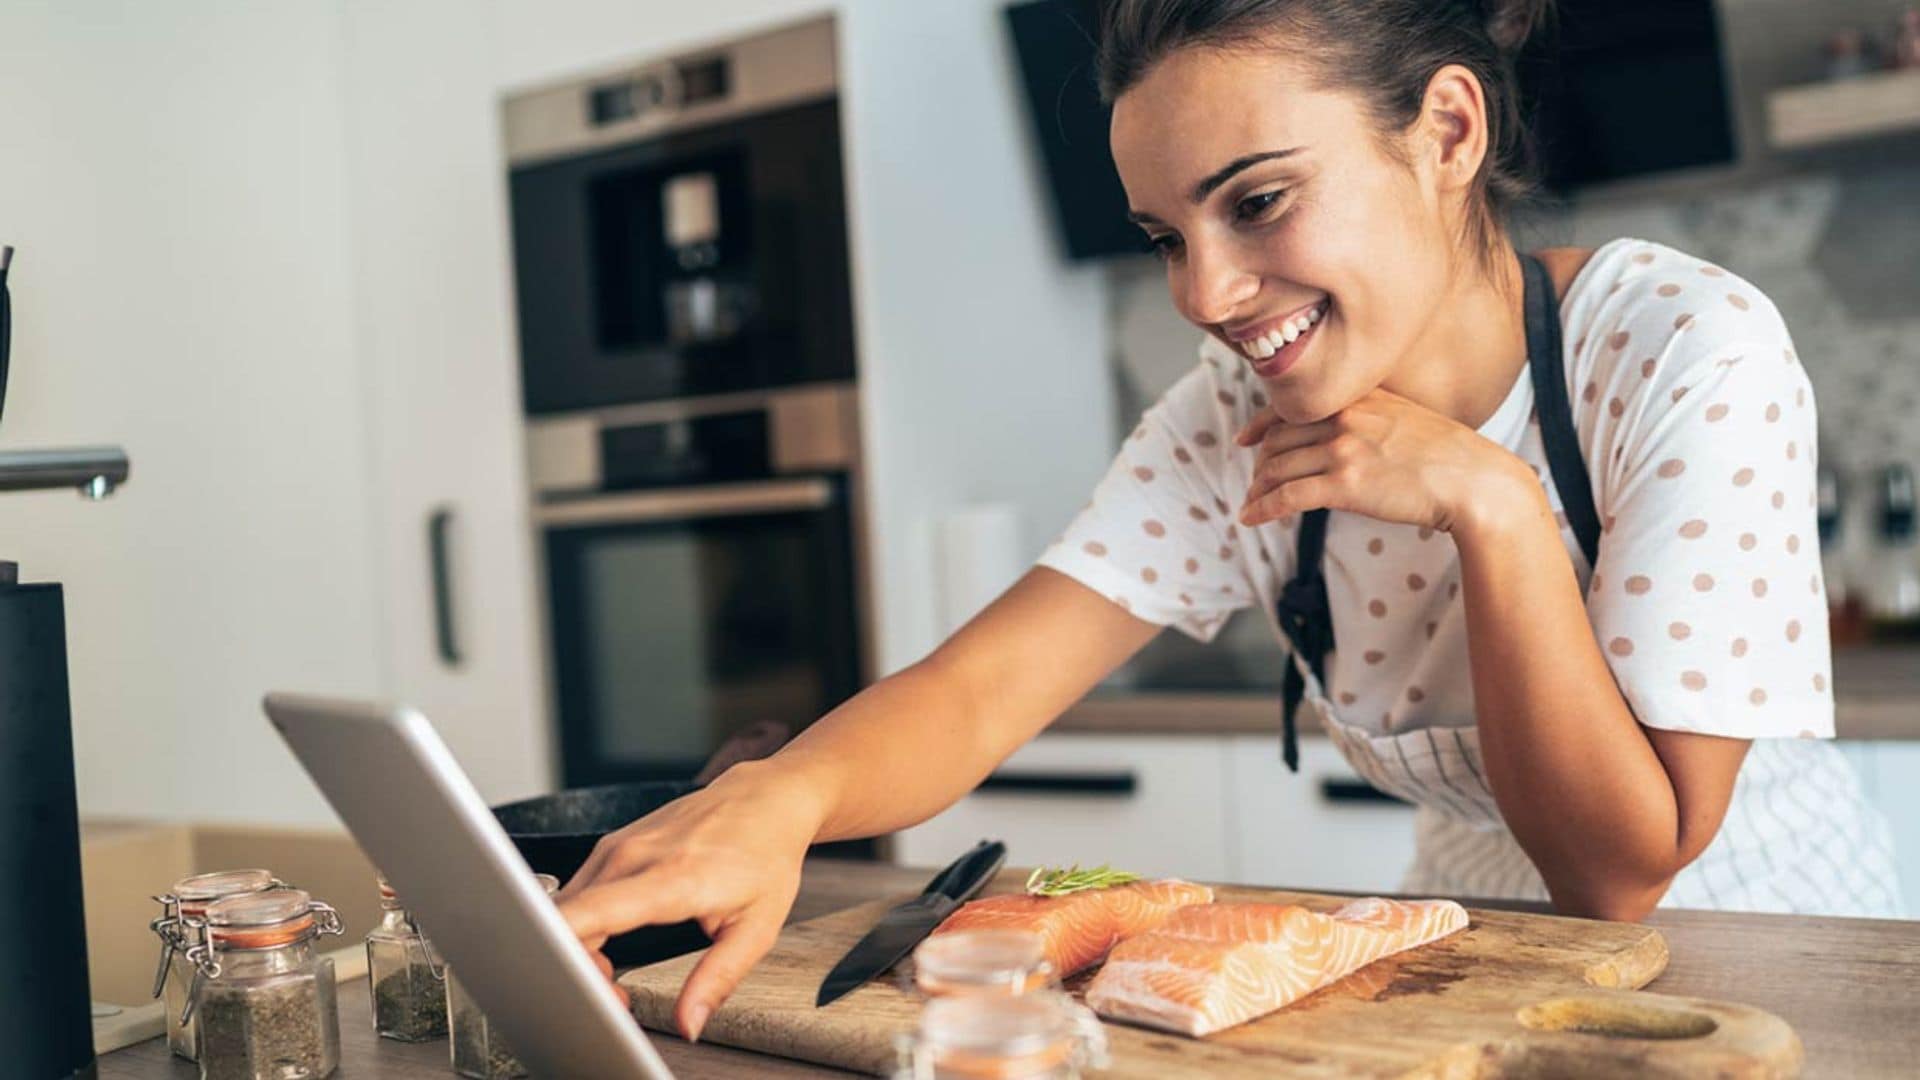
[1303, 610]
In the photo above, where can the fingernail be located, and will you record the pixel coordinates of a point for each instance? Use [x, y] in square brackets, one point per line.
[697, 1019]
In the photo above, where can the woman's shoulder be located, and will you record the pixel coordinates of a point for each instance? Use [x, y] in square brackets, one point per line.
[1663, 295]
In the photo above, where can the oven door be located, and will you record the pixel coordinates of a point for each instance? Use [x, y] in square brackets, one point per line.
[680, 616]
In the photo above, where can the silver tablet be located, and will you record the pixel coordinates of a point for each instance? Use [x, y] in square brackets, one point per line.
[393, 781]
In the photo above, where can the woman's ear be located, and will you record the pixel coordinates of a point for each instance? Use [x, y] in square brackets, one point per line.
[1453, 123]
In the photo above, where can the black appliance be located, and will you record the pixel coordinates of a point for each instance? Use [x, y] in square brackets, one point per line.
[679, 228]
[1614, 89]
[45, 1009]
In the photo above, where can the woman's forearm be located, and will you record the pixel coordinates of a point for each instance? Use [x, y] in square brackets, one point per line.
[1576, 778]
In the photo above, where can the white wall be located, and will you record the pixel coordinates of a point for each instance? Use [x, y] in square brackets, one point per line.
[172, 176]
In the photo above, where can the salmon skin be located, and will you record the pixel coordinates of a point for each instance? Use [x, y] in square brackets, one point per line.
[1079, 928]
[1213, 966]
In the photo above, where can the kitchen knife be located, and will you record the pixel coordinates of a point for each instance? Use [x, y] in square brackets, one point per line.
[901, 928]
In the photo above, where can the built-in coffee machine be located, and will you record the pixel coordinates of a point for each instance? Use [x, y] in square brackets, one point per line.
[46, 1020]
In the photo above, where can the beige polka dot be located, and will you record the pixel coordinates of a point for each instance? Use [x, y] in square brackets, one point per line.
[1143, 474]
[1779, 499]
[1094, 548]
[1643, 257]
[1432, 628]
[1206, 439]
[1747, 541]
[1224, 398]
[1800, 397]
[1773, 412]
[1712, 271]
[1703, 583]
[1187, 600]
[1377, 609]
[1139, 433]
[1805, 734]
[1813, 584]
[1375, 546]
[1716, 413]
[1259, 399]
[1154, 528]
[1591, 393]
[1196, 513]
[1793, 630]
[1683, 322]
[1220, 504]
[1453, 589]
[1793, 450]
[1819, 683]
[1595, 583]
[1693, 680]
[1758, 697]
[1180, 455]
[1743, 478]
[1639, 585]
[1373, 656]
[1648, 367]
[1425, 533]
[1671, 468]
[1607, 525]
[1759, 586]
[1266, 558]
[1416, 695]
[1669, 290]
[1616, 407]
[1739, 647]
[1678, 393]
[1416, 582]
[1347, 698]
[1193, 566]
[1620, 646]
[1619, 340]
[1793, 545]
[1679, 631]
[1149, 575]
[1739, 302]
[1694, 530]
[1225, 552]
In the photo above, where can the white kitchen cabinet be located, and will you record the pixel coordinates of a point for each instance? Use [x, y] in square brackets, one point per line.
[1155, 805]
[1315, 829]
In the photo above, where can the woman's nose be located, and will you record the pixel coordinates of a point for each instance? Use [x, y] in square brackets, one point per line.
[1213, 288]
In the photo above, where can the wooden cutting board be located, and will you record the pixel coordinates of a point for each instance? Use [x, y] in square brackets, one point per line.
[1494, 1000]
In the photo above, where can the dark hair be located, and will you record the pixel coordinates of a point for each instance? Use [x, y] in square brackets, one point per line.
[1387, 50]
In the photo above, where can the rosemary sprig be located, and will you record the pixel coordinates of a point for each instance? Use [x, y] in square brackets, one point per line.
[1053, 881]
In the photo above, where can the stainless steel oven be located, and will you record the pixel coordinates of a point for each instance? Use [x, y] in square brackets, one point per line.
[700, 561]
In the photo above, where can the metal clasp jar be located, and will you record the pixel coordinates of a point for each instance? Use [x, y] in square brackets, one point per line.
[407, 980]
[1039, 1036]
[1005, 962]
[181, 911]
[265, 1003]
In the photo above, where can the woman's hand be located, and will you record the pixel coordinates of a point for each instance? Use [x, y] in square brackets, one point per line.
[727, 856]
[1384, 457]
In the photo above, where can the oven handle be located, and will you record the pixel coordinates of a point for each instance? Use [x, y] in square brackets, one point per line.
[684, 504]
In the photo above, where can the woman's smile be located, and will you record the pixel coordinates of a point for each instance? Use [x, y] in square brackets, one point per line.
[1274, 345]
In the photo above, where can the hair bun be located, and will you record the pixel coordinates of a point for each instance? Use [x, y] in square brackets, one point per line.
[1511, 22]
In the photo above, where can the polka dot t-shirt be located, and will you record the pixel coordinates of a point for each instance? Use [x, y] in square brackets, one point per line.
[1697, 425]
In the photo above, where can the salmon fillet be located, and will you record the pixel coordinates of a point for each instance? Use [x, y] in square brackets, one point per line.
[1078, 929]
[1212, 966]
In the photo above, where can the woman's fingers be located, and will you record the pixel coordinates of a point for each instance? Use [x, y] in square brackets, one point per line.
[1279, 470]
[1276, 434]
[616, 855]
[648, 898]
[737, 946]
[1314, 492]
[605, 965]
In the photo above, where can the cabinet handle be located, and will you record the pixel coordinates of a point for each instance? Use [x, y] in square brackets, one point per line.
[1085, 784]
[439, 526]
[1357, 791]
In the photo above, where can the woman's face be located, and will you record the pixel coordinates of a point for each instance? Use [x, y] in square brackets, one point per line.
[1274, 203]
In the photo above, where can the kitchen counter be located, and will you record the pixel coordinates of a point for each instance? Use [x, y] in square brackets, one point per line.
[1850, 987]
[1876, 696]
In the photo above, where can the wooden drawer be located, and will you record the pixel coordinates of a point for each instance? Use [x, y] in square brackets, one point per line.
[1319, 829]
[1156, 805]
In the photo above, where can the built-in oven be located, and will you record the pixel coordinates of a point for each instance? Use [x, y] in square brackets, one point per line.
[700, 574]
[679, 226]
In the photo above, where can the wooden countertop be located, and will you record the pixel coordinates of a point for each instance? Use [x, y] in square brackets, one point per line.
[1850, 987]
[1876, 696]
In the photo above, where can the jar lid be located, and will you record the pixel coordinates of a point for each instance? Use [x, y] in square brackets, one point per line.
[998, 958]
[1034, 1029]
[205, 887]
[260, 909]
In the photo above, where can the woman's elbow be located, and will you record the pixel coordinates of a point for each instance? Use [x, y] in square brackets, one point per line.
[1614, 901]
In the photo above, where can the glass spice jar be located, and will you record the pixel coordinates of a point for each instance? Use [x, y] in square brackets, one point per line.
[1039, 1036]
[265, 1003]
[408, 982]
[181, 909]
[1005, 962]
[476, 1047]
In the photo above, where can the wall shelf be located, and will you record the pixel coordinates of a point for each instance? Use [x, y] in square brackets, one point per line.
[1882, 103]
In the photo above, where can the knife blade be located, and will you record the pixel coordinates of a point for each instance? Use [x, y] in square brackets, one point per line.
[903, 926]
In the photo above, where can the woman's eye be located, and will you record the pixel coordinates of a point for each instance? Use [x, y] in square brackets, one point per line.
[1165, 245]
[1254, 205]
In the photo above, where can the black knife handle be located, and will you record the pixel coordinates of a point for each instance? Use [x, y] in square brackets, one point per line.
[969, 871]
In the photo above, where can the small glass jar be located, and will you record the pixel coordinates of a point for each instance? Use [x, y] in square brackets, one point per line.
[265, 1003]
[407, 981]
[181, 911]
[1005, 962]
[476, 1048]
[1038, 1036]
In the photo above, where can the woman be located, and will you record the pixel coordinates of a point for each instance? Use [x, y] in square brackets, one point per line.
[1584, 631]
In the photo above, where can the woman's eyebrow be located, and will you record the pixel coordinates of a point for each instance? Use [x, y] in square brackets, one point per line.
[1225, 173]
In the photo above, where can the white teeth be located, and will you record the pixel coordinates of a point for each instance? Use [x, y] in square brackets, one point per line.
[1276, 339]
[1314, 315]
[1262, 348]
[1301, 324]
[1289, 331]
